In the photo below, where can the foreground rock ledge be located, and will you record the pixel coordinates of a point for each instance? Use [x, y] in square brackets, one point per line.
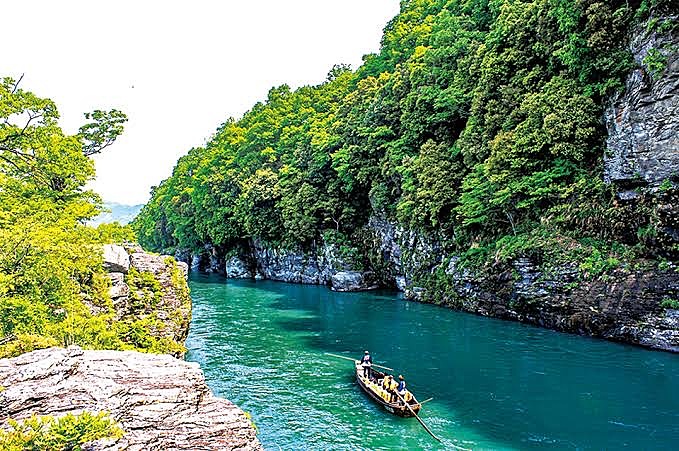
[160, 402]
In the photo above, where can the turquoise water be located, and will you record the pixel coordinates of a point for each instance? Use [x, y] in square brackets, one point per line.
[496, 384]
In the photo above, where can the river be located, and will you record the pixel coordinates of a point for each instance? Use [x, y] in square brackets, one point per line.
[496, 385]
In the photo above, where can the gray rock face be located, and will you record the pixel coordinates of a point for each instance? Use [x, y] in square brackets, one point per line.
[625, 307]
[195, 263]
[643, 122]
[116, 258]
[353, 281]
[119, 288]
[237, 268]
[183, 255]
[409, 253]
[160, 402]
[296, 266]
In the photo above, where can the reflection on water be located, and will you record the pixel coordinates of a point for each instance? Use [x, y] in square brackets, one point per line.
[496, 384]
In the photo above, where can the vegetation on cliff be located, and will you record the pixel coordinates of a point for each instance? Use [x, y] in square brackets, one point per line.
[66, 433]
[53, 287]
[478, 121]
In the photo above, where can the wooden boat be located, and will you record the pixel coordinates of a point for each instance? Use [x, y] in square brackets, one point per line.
[373, 390]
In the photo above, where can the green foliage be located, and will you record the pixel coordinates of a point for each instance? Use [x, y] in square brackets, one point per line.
[25, 343]
[102, 132]
[668, 303]
[53, 289]
[65, 433]
[145, 289]
[49, 261]
[141, 328]
[114, 232]
[666, 185]
[478, 120]
[655, 61]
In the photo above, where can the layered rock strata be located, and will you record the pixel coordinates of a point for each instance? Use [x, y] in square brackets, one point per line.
[160, 402]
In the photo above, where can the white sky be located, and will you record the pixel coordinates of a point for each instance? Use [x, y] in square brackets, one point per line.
[178, 69]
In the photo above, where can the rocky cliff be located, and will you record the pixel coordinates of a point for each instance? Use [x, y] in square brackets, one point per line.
[321, 265]
[642, 159]
[643, 120]
[159, 401]
[151, 291]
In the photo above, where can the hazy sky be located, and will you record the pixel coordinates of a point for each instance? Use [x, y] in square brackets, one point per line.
[178, 69]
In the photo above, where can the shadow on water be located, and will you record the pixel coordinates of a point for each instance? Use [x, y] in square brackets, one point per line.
[497, 384]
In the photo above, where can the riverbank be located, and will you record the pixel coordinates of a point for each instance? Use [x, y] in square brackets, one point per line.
[632, 303]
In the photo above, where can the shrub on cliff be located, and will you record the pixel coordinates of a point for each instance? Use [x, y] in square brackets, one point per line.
[65, 433]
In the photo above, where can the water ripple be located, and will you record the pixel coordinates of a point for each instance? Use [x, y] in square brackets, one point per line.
[496, 385]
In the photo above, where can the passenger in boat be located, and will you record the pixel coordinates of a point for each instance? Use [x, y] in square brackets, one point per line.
[393, 385]
[401, 386]
[385, 382]
[366, 363]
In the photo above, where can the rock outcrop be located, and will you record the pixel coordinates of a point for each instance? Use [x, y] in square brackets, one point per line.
[353, 281]
[160, 402]
[315, 267]
[237, 268]
[642, 155]
[321, 265]
[408, 253]
[643, 121]
[624, 307]
[116, 259]
[163, 297]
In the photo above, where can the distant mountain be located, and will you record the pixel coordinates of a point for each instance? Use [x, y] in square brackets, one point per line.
[118, 212]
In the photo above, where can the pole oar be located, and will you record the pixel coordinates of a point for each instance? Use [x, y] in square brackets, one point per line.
[418, 418]
[353, 360]
[424, 425]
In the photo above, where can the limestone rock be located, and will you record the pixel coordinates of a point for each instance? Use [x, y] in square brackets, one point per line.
[353, 281]
[183, 255]
[401, 282]
[408, 253]
[116, 258]
[172, 306]
[161, 402]
[184, 268]
[643, 122]
[237, 268]
[624, 307]
[119, 288]
[195, 262]
[285, 265]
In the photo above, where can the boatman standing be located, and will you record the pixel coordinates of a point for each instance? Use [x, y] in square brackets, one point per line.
[366, 363]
